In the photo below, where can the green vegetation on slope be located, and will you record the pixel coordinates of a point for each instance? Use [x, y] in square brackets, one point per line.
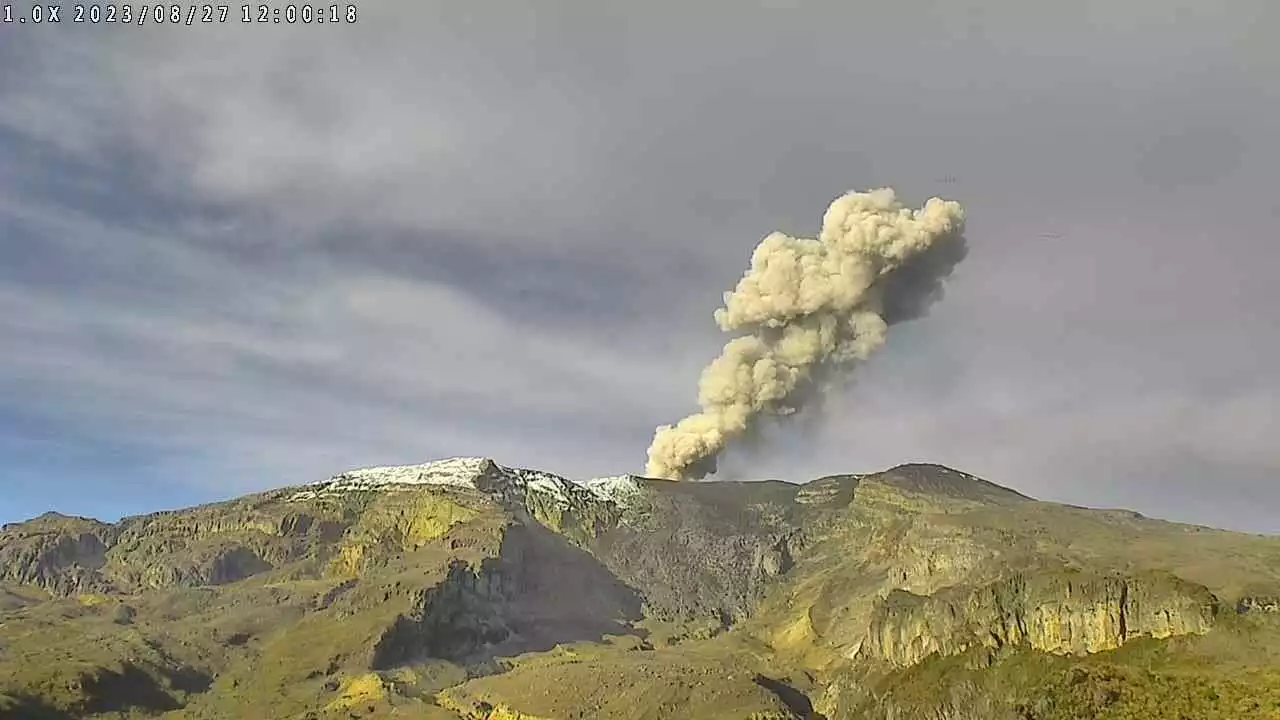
[918, 592]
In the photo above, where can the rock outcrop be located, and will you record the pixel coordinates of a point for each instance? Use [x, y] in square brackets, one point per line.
[1061, 612]
[1258, 604]
[59, 554]
[536, 592]
[704, 551]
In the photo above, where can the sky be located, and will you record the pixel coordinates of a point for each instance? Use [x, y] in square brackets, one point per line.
[239, 257]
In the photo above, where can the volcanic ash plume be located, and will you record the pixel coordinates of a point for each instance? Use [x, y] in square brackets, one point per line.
[809, 307]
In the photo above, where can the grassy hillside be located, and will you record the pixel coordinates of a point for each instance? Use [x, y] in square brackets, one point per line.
[917, 592]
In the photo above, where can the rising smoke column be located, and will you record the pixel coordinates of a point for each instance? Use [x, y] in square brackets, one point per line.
[810, 307]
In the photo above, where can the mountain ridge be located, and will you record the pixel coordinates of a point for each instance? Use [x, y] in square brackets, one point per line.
[463, 588]
[463, 470]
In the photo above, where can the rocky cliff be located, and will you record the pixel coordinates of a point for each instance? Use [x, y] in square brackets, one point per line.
[1063, 612]
[60, 554]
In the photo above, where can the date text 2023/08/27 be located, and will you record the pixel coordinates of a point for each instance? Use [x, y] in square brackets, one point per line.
[177, 14]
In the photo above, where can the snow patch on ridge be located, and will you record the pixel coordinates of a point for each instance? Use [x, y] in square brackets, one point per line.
[477, 473]
[455, 472]
[618, 488]
[459, 472]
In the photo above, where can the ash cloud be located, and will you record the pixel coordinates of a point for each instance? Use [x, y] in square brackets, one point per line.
[810, 310]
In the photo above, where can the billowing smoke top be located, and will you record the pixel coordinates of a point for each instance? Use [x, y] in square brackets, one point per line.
[809, 307]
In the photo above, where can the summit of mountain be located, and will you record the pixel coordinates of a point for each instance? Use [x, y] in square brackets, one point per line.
[464, 588]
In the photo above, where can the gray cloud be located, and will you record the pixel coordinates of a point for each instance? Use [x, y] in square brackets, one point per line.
[258, 255]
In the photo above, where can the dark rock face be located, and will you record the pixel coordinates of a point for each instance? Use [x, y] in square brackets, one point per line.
[453, 620]
[538, 592]
[234, 564]
[705, 550]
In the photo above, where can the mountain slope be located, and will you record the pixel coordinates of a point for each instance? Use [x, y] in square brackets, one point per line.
[465, 589]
